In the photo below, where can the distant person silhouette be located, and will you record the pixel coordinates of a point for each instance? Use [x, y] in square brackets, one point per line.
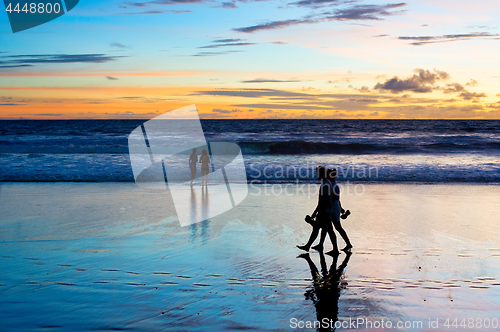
[205, 162]
[322, 213]
[325, 292]
[193, 159]
[337, 210]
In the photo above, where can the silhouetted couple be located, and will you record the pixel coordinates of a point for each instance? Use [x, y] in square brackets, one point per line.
[327, 212]
[205, 162]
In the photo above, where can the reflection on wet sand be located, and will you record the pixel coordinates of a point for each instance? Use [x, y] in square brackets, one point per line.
[203, 208]
[326, 286]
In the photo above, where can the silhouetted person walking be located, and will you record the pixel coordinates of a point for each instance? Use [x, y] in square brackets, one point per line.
[205, 166]
[337, 210]
[322, 213]
[193, 160]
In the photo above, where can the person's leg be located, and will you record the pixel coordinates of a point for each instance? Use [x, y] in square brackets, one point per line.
[321, 220]
[333, 238]
[312, 237]
[342, 233]
[193, 174]
[319, 246]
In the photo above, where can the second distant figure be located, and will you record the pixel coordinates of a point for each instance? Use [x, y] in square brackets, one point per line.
[193, 160]
[205, 166]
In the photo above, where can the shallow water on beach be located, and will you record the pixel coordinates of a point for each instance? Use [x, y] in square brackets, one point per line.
[86, 256]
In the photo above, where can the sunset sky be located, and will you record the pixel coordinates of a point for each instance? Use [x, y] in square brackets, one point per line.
[256, 59]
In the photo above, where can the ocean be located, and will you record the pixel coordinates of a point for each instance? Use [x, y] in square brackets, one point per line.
[274, 150]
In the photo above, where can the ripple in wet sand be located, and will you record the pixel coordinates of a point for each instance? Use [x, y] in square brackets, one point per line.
[201, 284]
[111, 270]
[169, 283]
[184, 277]
[162, 273]
[134, 284]
[432, 287]
[66, 284]
[479, 286]
[450, 285]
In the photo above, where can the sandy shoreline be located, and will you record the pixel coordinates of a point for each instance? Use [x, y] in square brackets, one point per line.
[90, 256]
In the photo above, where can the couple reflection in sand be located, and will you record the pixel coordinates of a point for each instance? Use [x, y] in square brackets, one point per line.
[325, 290]
[204, 161]
[327, 212]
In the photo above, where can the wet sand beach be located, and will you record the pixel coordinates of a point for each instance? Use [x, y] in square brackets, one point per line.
[112, 256]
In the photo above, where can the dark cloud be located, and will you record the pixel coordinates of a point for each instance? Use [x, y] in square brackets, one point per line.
[263, 80]
[314, 3]
[228, 40]
[420, 82]
[282, 94]
[111, 78]
[463, 92]
[213, 53]
[118, 45]
[366, 12]
[229, 5]
[227, 44]
[354, 13]
[364, 100]
[13, 61]
[273, 25]
[467, 95]
[252, 93]
[12, 104]
[453, 88]
[218, 110]
[377, 36]
[14, 66]
[422, 40]
[364, 89]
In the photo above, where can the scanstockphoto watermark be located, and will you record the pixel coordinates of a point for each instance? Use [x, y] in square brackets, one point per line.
[361, 324]
[291, 180]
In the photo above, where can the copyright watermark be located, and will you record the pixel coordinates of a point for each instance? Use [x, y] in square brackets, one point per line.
[27, 14]
[290, 180]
